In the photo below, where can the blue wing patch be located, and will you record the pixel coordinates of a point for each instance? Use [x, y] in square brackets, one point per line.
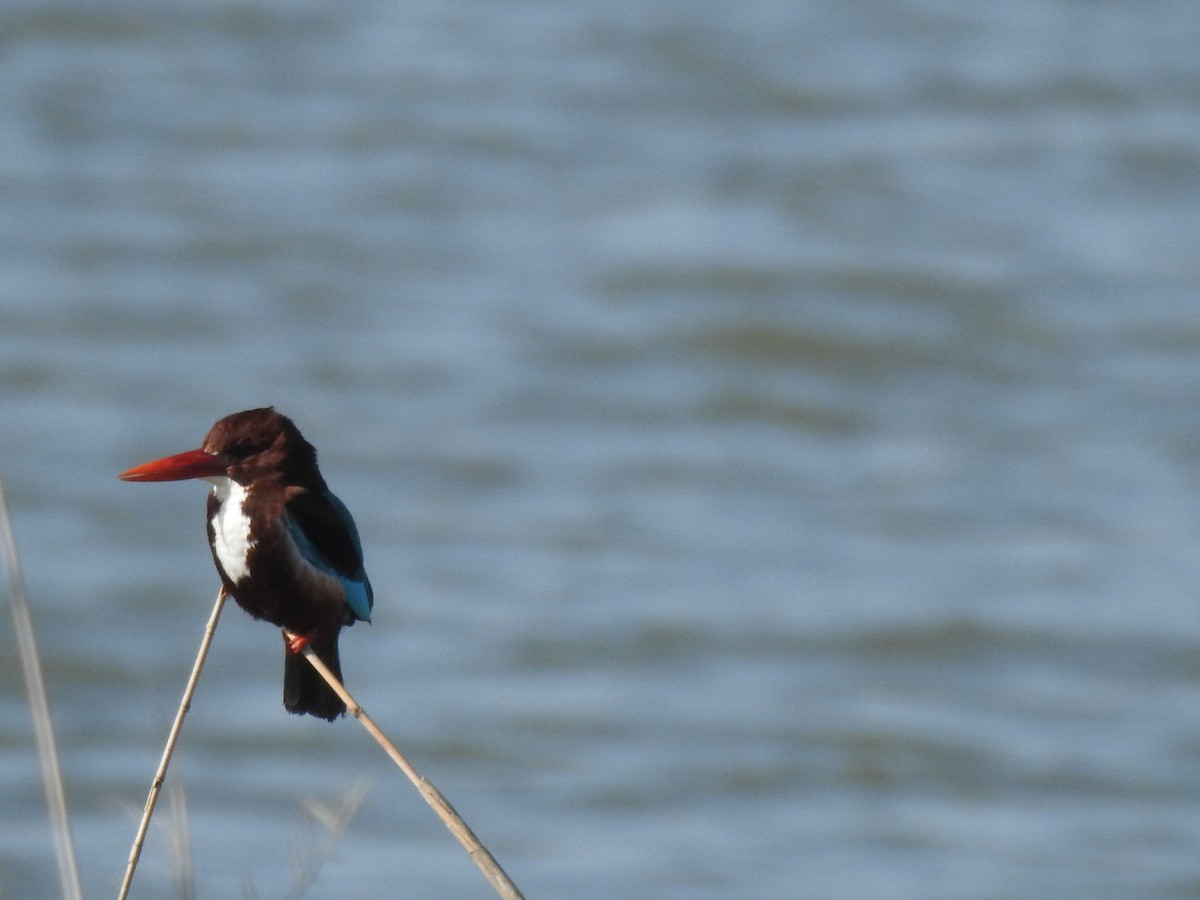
[355, 584]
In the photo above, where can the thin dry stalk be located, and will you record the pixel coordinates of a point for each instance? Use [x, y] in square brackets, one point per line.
[52, 784]
[181, 843]
[160, 775]
[334, 821]
[487, 864]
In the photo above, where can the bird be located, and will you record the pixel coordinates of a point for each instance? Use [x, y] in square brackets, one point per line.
[285, 546]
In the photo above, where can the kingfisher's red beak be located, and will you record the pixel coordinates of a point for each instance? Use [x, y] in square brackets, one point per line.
[192, 464]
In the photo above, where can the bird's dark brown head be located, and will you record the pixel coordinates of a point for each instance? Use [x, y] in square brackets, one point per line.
[261, 442]
[249, 446]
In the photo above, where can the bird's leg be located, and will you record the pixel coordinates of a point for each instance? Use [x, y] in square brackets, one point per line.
[297, 642]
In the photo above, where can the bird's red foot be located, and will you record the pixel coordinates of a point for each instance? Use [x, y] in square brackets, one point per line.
[297, 642]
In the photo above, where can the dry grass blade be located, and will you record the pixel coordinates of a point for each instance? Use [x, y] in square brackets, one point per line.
[181, 844]
[487, 864]
[333, 822]
[56, 802]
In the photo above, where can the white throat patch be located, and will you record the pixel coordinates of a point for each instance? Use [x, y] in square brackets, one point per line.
[231, 528]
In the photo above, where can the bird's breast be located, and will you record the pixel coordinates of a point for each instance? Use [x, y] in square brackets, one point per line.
[231, 530]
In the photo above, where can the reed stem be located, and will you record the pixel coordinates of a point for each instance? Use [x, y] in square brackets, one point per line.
[487, 864]
[160, 775]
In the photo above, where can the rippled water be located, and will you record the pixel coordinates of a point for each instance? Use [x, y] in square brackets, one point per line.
[771, 425]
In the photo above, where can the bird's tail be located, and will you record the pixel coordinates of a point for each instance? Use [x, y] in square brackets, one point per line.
[304, 690]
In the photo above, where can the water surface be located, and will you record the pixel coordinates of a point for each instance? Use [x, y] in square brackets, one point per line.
[771, 427]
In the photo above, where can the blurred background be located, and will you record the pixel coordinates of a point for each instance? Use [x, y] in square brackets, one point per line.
[772, 427]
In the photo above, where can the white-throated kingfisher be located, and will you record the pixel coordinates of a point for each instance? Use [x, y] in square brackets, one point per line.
[286, 548]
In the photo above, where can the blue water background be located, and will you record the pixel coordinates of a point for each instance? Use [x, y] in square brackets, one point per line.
[773, 428]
